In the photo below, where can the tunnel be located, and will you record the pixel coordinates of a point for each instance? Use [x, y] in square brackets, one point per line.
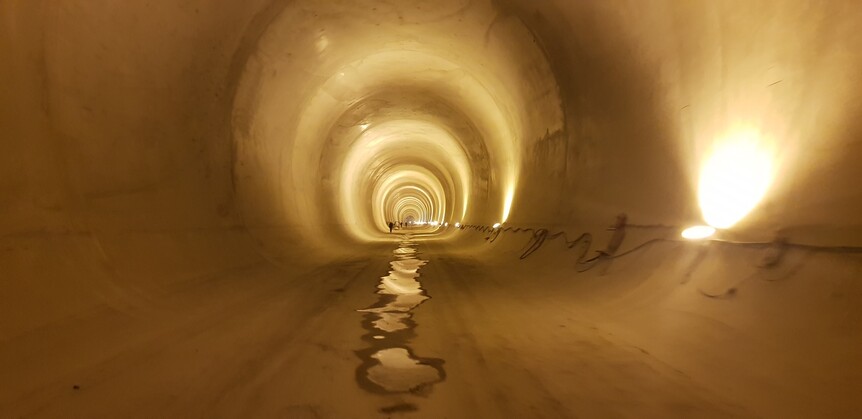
[431, 209]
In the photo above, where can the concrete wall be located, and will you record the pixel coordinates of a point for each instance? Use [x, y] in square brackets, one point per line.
[148, 145]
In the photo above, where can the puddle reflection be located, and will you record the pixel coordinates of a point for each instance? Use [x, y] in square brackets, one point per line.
[389, 365]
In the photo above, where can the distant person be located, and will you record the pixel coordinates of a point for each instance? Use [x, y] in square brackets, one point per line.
[391, 224]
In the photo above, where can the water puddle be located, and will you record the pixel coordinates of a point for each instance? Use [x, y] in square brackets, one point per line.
[389, 365]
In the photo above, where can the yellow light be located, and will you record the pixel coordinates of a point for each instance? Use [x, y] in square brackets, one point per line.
[497, 225]
[507, 203]
[734, 179]
[458, 225]
[698, 232]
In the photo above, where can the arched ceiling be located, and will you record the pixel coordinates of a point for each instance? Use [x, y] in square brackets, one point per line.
[372, 102]
[171, 171]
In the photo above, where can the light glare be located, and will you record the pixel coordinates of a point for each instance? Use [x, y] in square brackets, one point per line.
[496, 225]
[698, 232]
[507, 203]
[734, 180]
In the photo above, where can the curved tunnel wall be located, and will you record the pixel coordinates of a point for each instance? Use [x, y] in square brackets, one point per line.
[145, 147]
[401, 78]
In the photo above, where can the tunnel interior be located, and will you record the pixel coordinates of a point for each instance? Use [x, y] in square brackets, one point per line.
[599, 209]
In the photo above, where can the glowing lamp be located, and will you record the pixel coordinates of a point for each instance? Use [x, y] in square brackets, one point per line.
[698, 232]
[734, 179]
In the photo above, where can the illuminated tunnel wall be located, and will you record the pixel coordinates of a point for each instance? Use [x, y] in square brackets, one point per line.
[145, 144]
[392, 106]
[462, 103]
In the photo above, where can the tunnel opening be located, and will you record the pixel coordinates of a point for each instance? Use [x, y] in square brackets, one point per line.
[384, 102]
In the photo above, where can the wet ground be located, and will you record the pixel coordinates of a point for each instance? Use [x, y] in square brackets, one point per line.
[389, 365]
[412, 331]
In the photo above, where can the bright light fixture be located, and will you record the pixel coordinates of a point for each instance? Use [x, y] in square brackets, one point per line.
[698, 232]
[497, 225]
[734, 179]
[507, 203]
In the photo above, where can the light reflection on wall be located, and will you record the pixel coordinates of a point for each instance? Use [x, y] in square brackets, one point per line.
[397, 159]
[735, 177]
[507, 203]
[306, 121]
[416, 140]
[409, 186]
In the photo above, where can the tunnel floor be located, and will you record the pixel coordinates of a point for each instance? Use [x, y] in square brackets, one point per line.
[248, 343]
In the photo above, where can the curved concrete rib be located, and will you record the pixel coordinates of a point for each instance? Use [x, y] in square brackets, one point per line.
[194, 201]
